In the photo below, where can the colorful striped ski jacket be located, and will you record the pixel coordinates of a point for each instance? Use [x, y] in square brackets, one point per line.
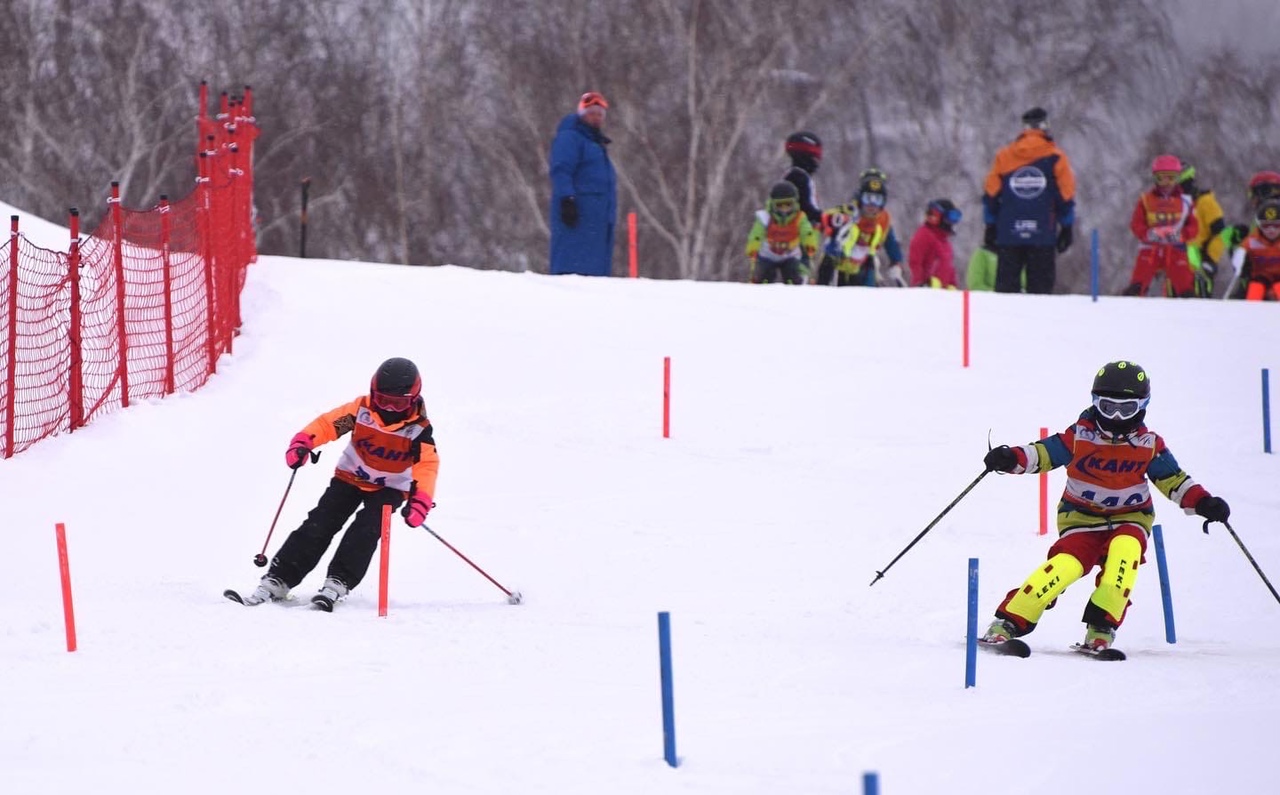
[1107, 478]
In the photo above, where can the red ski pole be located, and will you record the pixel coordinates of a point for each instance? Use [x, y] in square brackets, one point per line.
[260, 559]
[513, 597]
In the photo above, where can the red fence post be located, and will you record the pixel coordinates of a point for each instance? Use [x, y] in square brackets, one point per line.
[167, 278]
[204, 234]
[117, 256]
[76, 380]
[11, 364]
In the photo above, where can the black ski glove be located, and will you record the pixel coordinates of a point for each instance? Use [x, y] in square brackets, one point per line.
[989, 237]
[1001, 459]
[1064, 239]
[569, 211]
[1214, 509]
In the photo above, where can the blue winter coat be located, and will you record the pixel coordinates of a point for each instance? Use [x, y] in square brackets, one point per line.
[580, 168]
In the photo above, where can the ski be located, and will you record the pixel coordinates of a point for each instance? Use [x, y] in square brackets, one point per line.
[250, 601]
[322, 602]
[235, 596]
[1011, 648]
[1106, 655]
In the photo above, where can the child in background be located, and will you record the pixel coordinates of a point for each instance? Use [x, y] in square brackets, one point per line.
[1261, 271]
[1164, 223]
[856, 233]
[782, 241]
[930, 257]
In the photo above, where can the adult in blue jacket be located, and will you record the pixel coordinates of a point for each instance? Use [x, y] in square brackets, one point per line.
[584, 192]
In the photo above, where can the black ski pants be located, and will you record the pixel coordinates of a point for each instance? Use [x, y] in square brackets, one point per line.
[1040, 263]
[304, 547]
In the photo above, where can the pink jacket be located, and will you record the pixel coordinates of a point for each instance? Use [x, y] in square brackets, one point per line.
[931, 259]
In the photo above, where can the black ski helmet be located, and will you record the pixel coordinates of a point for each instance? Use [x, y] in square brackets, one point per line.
[805, 150]
[784, 190]
[873, 180]
[397, 376]
[804, 143]
[1121, 379]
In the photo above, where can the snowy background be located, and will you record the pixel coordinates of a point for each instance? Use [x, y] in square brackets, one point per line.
[815, 432]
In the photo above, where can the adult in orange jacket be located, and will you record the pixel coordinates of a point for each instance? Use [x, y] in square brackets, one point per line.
[391, 457]
[1028, 202]
[1164, 222]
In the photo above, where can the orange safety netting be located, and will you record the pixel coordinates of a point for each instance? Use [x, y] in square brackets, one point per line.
[140, 307]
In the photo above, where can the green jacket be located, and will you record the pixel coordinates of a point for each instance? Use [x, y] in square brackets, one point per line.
[981, 274]
[982, 271]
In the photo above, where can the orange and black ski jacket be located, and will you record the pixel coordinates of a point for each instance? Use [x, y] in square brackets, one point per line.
[1030, 191]
[399, 456]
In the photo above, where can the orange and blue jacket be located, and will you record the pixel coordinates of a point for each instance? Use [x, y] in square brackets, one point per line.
[1107, 478]
[399, 456]
[1029, 192]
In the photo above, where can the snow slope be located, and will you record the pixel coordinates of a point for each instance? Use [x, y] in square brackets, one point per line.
[815, 432]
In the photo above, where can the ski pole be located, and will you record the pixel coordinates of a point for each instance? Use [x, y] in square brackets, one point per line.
[260, 559]
[513, 597]
[1256, 567]
[969, 488]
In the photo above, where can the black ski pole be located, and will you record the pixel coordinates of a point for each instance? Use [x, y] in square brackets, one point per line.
[1256, 567]
[969, 488]
[260, 559]
[513, 597]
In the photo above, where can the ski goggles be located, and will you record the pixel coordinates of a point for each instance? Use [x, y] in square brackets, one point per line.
[1119, 408]
[396, 403]
[872, 199]
[785, 207]
[1167, 179]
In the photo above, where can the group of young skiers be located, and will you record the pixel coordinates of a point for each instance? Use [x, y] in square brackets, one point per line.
[1179, 225]
[793, 232]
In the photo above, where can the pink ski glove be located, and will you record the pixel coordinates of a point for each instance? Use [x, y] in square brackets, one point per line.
[416, 509]
[298, 450]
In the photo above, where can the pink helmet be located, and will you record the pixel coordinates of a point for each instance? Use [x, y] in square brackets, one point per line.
[1165, 163]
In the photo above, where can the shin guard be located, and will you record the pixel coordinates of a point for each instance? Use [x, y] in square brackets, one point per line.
[1026, 604]
[1110, 599]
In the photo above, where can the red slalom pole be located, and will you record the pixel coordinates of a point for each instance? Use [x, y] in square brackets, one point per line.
[1044, 494]
[634, 266]
[384, 563]
[666, 397]
[965, 333]
[68, 611]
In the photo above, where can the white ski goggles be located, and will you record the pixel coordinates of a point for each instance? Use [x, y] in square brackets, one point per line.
[872, 199]
[1119, 408]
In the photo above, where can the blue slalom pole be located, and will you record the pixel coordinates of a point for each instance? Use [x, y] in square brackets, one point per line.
[870, 784]
[1094, 265]
[668, 695]
[971, 637]
[1166, 596]
[1266, 411]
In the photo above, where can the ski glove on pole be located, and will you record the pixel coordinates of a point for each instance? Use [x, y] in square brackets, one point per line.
[416, 509]
[1215, 509]
[298, 450]
[1000, 459]
[569, 211]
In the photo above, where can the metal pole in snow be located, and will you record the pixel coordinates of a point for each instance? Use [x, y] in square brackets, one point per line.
[668, 695]
[971, 636]
[1166, 596]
